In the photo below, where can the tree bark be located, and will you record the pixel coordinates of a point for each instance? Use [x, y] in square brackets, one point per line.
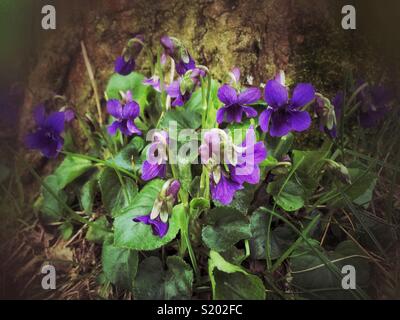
[304, 38]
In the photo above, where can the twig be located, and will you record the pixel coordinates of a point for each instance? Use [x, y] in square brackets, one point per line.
[92, 81]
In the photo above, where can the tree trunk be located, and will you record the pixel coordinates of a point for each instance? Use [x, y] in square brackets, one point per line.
[302, 37]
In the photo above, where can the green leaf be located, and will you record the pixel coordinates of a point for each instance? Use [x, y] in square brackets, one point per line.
[116, 195]
[363, 186]
[310, 275]
[136, 235]
[155, 283]
[308, 172]
[70, 169]
[234, 255]
[184, 119]
[195, 102]
[281, 237]
[66, 230]
[97, 232]
[119, 265]
[132, 82]
[124, 159]
[199, 204]
[287, 194]
[242, 200]
[238, 286]
[88, 193]
[51, 210]
[178, 279]
[278, 147]
[149, 282]
[225, 228]
[231, 282]
[269, 163]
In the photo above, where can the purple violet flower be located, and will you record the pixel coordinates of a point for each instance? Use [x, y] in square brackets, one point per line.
[155, 164]
[159, 228]
[285, 114]
[236, 104]
[328, 120]
[124, 66]
[250, 155]
[47, 136]
[235, 76]
[181, 90]
[125, 115]
[242, 163]
[223, 188]
[162, 208]
[154, 81]
[125, 63]
[374, 105]
[182, 67]
[173, 48]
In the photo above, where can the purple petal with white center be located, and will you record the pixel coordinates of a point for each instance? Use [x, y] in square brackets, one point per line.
[151, 171]
[275, 94]
[303, 94]
[265, 118]
[249, 96]
[227, 94]
[114, 108]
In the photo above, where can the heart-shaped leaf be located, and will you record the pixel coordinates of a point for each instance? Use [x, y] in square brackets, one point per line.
[136, 235]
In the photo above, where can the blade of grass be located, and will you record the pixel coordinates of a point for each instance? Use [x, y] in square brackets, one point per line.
[293, 247]
[358, 293]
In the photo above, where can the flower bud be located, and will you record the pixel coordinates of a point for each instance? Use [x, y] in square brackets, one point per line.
[339, 171]
[173, 189]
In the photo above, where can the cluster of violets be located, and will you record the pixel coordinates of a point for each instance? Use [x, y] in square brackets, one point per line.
[284, 113]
